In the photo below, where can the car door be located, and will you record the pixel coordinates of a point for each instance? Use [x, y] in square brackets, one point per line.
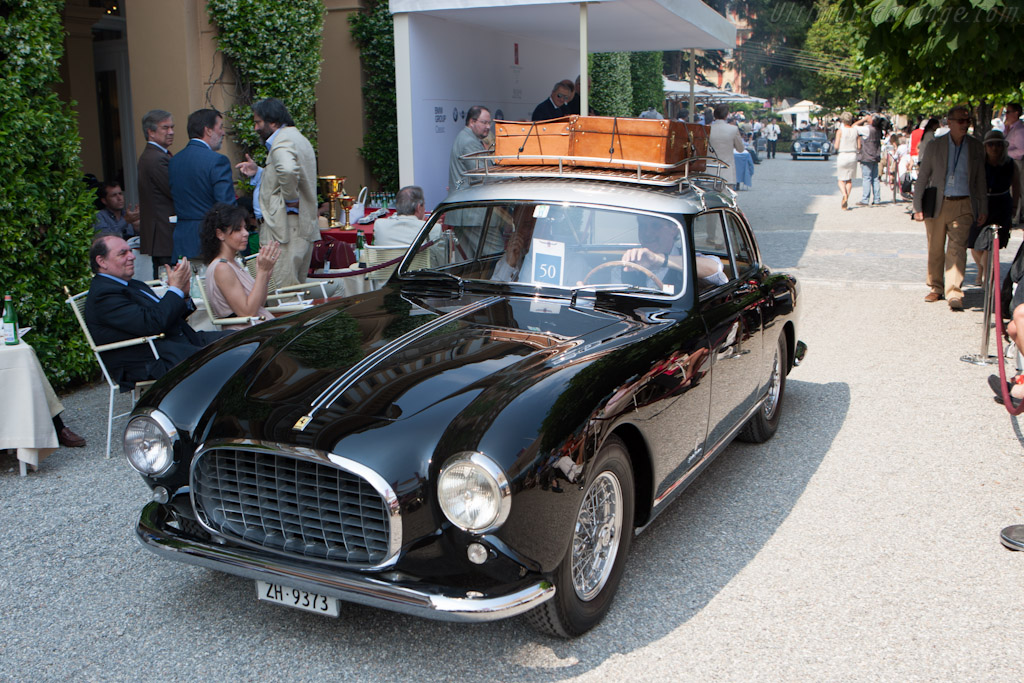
[732, 312]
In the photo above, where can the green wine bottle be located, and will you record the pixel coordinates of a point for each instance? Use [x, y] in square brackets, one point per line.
[10, 322]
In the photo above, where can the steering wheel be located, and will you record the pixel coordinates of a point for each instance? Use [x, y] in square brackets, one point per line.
[626, 264]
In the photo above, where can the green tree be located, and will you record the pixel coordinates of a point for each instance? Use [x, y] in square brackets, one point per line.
[645, 70]
[275, 50]
[372, 30]
[773, 45]
[612, 92]
[46, 210]
[833, 43]
[955, 51]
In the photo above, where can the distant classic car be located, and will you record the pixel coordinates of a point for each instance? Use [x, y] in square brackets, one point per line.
[553, 361]
[811, 143]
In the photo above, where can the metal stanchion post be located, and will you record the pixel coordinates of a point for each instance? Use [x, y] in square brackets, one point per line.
[984, 358]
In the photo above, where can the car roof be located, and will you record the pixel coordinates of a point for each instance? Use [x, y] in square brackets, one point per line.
[684, 198]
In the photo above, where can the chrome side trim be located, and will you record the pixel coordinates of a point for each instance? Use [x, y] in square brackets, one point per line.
[331, 394]
[310, 455]
[429, 601]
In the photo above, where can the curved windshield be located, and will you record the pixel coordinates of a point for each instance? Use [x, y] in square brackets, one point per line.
[555, 245]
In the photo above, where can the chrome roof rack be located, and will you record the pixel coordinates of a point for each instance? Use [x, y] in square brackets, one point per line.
[635, 172]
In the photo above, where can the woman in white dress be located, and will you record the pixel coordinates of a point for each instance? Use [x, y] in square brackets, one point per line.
[725, 138]
[845, 145]
[231, 291]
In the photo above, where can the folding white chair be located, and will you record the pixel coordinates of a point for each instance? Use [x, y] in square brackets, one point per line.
[77, 304]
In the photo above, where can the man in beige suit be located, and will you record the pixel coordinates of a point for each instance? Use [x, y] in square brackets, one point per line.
[955, 167]
[285, 198]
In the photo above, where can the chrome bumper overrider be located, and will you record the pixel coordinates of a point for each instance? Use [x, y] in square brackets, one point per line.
[799, 353]
[429, 601]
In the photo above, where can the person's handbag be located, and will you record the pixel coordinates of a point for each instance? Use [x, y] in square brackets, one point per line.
[928, 198]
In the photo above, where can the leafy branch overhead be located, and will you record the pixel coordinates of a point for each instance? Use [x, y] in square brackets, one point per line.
[275, 50]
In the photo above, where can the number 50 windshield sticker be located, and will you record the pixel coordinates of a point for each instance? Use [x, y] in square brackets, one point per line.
[548, 261]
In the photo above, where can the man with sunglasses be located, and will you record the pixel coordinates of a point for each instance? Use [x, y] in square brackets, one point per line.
[555, 105]
[955, 167]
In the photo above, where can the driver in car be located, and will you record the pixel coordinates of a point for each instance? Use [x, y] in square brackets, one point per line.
[660, 254]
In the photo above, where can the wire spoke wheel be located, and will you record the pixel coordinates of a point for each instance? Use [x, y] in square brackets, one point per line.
[596, 540]
[764, 422]
[771, 402]
[589, 574]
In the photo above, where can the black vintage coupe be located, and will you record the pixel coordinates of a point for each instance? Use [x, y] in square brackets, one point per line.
[553, 361]
[811, 144]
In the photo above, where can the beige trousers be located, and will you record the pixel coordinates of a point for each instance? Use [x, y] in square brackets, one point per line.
[292, 266]
[947, 247]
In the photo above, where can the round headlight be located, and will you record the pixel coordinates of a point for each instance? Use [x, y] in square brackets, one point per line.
[826, 146]
[473, 492]
[149, 443]
[796, 146]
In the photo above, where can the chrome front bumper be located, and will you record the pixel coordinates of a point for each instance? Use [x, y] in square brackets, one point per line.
[431, 602]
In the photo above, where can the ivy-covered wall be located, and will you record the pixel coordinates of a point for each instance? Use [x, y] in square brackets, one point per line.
[647, 84]
[373, 31]
[274, 47]
[612, 91]
[46, 210]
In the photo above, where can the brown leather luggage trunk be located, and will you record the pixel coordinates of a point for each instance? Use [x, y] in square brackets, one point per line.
[515, 138]
[656, 141]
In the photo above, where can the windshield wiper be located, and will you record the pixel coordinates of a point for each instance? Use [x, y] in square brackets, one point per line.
[612, 287]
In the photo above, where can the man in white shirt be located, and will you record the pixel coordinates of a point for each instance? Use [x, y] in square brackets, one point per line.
[401, 229]
[771, 136]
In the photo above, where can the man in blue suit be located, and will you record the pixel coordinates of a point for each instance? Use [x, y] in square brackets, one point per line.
[200, 177]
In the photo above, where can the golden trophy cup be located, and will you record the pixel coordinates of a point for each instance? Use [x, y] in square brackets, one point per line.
[332, 187]
[346, 203]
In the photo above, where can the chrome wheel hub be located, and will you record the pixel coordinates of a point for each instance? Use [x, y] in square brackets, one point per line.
[597, 535]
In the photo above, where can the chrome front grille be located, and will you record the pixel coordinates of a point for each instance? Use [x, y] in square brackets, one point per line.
[308, 508]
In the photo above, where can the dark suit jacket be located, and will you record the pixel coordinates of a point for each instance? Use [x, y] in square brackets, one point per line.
[547, 110]
[932, 173]
[115, 312]
[155, 203]
[199, 178]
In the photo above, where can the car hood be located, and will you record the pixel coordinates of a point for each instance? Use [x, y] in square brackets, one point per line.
[348, 365]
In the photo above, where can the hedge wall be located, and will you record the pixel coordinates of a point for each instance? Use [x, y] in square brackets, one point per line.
[46, 210]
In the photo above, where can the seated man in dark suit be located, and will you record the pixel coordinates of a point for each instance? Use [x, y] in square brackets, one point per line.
[119, 308]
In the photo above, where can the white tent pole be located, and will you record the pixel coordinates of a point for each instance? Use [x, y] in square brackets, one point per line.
[403, 98]
[584, 63]
[693, 71]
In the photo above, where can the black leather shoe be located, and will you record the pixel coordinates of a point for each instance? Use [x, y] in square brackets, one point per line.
[68, 438]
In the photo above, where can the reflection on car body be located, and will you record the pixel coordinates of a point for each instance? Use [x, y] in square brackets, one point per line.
[481, 437]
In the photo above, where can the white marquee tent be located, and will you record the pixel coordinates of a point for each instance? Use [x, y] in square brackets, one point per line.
[507, 54]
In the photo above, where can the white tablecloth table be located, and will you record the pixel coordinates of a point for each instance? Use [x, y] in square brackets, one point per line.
[26, 424]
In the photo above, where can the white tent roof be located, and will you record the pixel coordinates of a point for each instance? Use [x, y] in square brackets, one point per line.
[681, 89]
[802, 107]
[613, 25]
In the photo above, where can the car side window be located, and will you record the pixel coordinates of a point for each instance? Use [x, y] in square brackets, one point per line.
[709, 242]
[742, 253]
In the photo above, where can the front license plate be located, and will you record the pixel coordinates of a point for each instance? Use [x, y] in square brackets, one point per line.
[294, 597]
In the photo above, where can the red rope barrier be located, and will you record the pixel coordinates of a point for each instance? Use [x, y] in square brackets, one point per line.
[998, 307]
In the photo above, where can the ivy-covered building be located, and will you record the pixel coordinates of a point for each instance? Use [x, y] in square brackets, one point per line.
[126, 57]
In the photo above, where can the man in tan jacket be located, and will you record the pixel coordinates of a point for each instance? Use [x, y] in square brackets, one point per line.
[955, 167]
[285, 197]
